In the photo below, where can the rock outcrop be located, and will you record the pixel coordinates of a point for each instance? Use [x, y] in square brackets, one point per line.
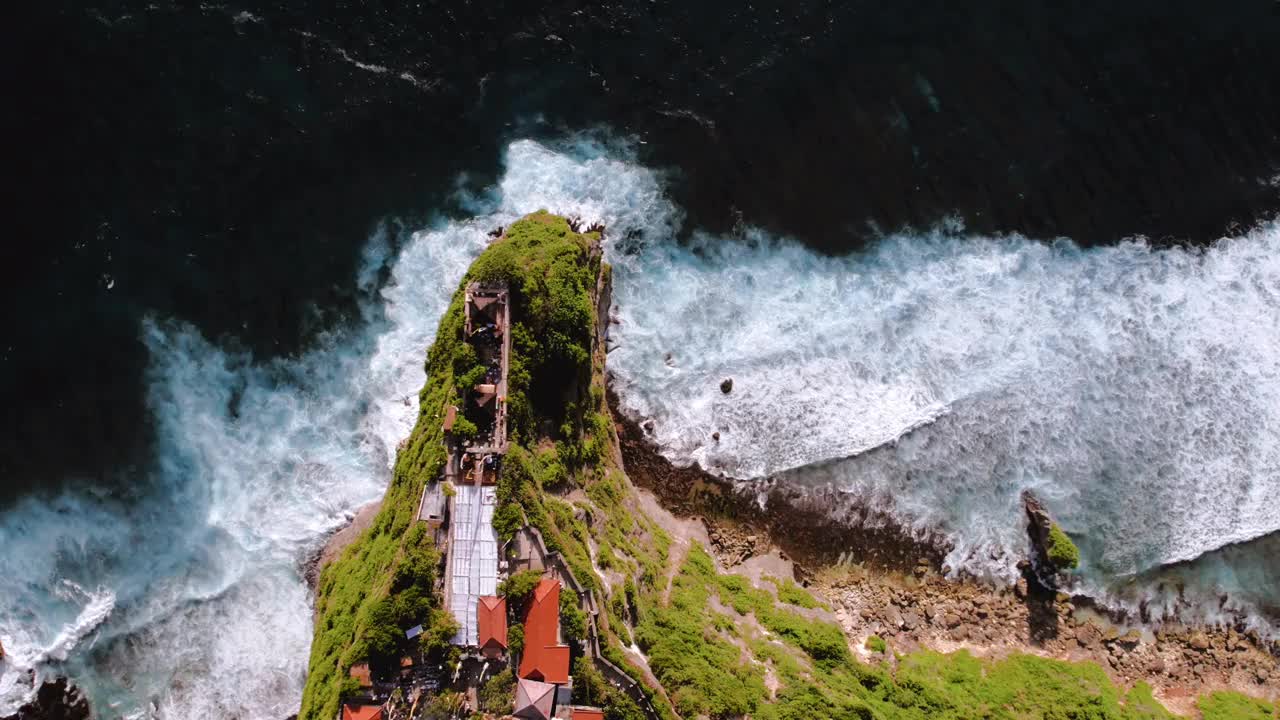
[55, 700]
[1052, 552]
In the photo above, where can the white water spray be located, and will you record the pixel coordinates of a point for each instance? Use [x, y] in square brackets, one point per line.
[1135, 389]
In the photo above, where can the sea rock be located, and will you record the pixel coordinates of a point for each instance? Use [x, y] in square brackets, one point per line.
[1198, 641]
[726, 386]
[1039, 524]
[55, 700]
[1088, 636]
[1131, 638]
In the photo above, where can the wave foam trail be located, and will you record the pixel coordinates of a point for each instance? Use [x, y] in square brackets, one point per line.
[1136, 389]
[255, 463]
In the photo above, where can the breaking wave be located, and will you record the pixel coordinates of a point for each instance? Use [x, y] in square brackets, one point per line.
[937, 375]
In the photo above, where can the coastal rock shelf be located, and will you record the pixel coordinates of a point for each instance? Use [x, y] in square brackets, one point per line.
[684, 598]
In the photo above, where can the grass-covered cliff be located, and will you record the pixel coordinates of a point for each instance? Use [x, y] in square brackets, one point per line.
[383, 582]
[710, 644]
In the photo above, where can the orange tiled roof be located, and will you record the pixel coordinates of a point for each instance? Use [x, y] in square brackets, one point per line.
[544, 657]
[587, 714]
[491, 616]
[361, 712]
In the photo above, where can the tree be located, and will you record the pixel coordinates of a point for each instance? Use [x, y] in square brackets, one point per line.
[437, 635]
[517, 588]
[496, 693]
[515, 638]
[572, 618]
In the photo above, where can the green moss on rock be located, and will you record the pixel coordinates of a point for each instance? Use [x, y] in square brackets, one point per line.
[1062, 552]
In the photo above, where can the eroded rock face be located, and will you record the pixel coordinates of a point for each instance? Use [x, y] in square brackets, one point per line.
[55, 700]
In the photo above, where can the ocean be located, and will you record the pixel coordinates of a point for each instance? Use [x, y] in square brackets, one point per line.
[945, 255]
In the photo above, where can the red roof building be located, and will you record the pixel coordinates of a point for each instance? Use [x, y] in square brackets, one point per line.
[491, 619]
[545, 659]
[580, 713]
[362, 675]
[361, 712]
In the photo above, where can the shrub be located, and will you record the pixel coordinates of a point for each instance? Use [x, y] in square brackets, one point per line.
[464, 429]
[876, 644]
[1062, 552]
[620, 707]
[518, 587]
[791, 593]
[515, 638]
[589, 686]
[470, 379]
[573, 620]
[1234, 706]
[436, 637]
[507, 519]
[447, 705]
[497, 693]
[349, 687]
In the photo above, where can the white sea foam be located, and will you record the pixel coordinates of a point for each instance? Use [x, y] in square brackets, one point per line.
[1135, 389]
[199, 609]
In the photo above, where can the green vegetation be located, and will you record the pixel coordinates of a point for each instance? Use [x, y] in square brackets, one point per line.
[876, 644]
[712, 658]
[383, 582]
[497, 692]
[590, 688]
[515, 638]
[1234, 706]
[791, 593]
[573, 621]
[1062, 552]
[518, 587]
[711, 639]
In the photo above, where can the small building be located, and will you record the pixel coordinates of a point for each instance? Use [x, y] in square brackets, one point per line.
[362, 674]
[534, 700]
[585, 713]
[432, 507]
[450, 417]
[486, 306]
[491, 619]
[545, 658]
[362, 712]
[484, 393]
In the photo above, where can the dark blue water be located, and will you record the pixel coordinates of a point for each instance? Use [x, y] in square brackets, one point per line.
[224, 164]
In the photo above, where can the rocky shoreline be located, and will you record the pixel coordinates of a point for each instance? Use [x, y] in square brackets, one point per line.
[882, 581]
